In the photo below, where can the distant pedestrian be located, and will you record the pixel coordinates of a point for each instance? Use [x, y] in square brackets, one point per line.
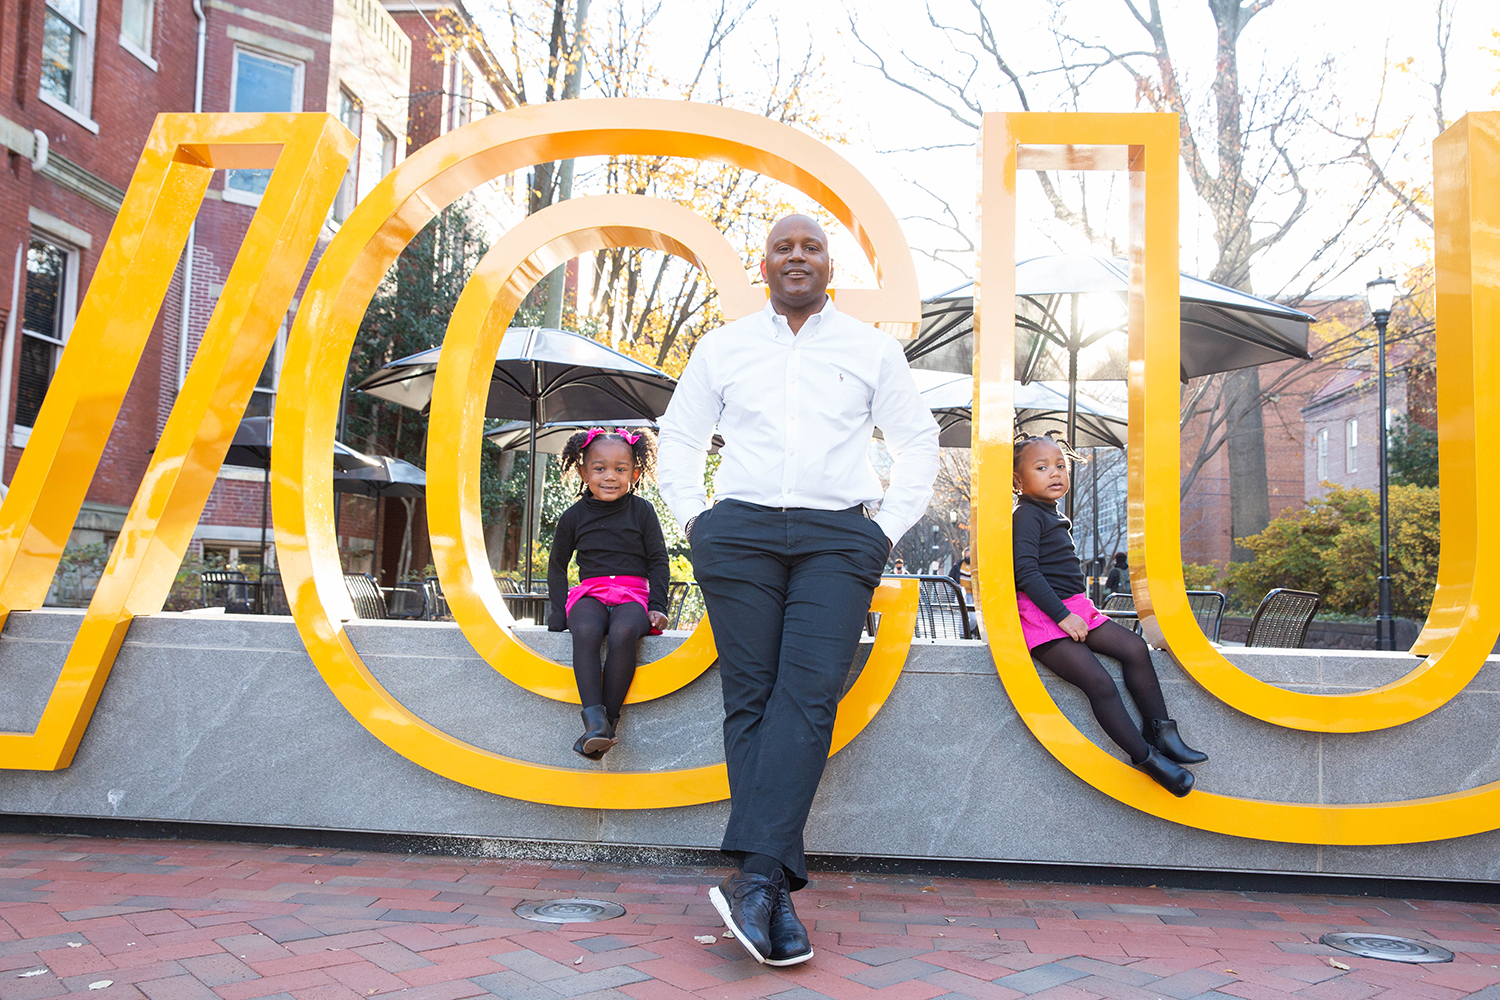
[1118, 581]
[622, 562]
[898, 566]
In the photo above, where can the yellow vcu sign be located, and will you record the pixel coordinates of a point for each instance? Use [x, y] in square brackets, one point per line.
[308, 154]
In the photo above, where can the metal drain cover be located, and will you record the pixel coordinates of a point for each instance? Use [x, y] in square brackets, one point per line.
[1384, 946]
[571, 911]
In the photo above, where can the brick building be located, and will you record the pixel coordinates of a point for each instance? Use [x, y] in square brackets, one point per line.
[83, 82]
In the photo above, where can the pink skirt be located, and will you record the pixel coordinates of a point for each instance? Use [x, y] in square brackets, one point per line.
[611, 590]
[1037, 627]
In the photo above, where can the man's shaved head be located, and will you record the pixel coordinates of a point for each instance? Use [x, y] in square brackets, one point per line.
[794, 220]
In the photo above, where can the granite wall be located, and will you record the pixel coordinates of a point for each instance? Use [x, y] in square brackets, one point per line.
[225, 720]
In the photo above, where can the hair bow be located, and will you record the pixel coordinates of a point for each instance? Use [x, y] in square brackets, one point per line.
[593, 433]
[629, 437]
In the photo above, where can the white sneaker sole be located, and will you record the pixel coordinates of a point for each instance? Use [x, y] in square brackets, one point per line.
[797, 960]
[722, 905]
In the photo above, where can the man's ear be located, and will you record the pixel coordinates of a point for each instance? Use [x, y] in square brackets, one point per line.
[762, 269]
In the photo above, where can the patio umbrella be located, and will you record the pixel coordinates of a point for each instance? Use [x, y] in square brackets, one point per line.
[353, 471]
[1041, 408]
[541, 376]
[554, 436]
[1223, 329]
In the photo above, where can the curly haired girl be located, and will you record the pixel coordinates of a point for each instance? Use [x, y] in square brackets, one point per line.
[622, 563]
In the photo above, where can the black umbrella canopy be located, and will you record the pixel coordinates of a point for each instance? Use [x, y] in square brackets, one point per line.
[251, 447]
[1223, 329]
[389, 477]
[551, 438]
[569, 376]
[1041, 408]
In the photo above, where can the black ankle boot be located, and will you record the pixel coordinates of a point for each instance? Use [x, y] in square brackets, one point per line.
[1162, 734]
[598, 735]
[1168, 774]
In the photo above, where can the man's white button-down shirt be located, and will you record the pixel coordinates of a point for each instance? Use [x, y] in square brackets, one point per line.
[796, 412]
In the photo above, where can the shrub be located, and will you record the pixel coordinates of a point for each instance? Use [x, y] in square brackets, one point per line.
[1201, 577]
[1332, 547]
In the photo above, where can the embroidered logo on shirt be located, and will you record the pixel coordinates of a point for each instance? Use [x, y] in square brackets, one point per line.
[841, 376]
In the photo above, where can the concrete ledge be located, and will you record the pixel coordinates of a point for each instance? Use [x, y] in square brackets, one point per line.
[225, 720]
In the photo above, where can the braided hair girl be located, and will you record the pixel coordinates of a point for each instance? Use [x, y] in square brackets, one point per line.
[1064, 630]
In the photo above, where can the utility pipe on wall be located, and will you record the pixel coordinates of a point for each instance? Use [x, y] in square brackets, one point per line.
[5, 358]
[187, 260]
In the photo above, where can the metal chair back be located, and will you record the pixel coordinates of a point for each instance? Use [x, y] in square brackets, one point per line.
[1282, 619]
[684, 603]
[437, 604]
[407, 600]
[942, 612]
[1118, 602]
[505, 583]
[365, 592]
[227, 589]
[1208, 608]
[273, 595]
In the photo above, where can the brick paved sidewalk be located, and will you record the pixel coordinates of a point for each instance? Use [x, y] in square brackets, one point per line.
[177, 920]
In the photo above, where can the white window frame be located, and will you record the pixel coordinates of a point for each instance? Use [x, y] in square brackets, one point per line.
[352, 171]
[1322, 454]
[278, 352]
[21, 433]
[390, 149]
[143, 54]
[83, 74]
[298, 79]
[1351, 444]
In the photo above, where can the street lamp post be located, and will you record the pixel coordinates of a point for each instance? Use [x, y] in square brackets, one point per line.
[1380, 295]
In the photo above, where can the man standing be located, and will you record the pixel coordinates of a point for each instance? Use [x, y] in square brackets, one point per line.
[790, 554]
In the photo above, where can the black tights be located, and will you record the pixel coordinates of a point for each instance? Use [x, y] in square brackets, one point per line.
[589, 621]
[1074, 663]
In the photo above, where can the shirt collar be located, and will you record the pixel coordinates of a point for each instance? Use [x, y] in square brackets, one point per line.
[816, 321]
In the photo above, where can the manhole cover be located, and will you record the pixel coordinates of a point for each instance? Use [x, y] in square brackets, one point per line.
[571, 911]
[1391, 949]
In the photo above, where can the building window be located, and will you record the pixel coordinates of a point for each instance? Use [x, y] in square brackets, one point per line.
[136, 17]
[50, 285]
[1351, 442]
[68, 57]
[263, 398]
[261, 83]
[387, 151]
[351, 113]
[463, 89]
[1322, 454]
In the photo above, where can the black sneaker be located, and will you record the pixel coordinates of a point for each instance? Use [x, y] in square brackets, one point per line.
[746, 901]
[789, 944]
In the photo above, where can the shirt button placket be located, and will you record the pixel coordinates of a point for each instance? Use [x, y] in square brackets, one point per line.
[793, 431]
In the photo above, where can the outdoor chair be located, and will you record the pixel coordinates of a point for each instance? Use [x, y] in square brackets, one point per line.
[437, 604]
[1282, 619]
[227, 589]
[533, 606]
[505, 583]
[273, 595]
[1120, 608]
[365, 592]
[407, 600]
[1208, 608]
[684, 599]
[942, 612]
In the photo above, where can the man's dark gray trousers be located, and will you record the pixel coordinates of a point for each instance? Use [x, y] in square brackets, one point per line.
[787, 591]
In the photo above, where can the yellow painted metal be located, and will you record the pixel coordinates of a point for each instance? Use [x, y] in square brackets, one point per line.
[501, 281]
[1151, 142]
[1154, 511]
[322, 335]
[308, 152]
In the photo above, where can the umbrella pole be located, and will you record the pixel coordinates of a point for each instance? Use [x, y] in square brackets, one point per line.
[1073, 348]
[530, 490]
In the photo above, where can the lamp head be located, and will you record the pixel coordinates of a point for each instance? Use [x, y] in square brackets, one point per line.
[1380, 295]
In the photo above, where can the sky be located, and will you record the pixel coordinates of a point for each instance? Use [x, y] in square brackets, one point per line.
[916, 154]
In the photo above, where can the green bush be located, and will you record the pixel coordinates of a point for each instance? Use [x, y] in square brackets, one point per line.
[1332, 547]
[1200, 576]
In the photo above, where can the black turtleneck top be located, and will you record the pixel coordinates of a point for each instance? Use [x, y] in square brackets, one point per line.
[1046, 564]
[612, 538]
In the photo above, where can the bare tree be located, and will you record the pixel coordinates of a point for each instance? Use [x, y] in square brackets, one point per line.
[1247, 149]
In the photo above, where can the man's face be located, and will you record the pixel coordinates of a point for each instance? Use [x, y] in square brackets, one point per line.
[796, 263]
